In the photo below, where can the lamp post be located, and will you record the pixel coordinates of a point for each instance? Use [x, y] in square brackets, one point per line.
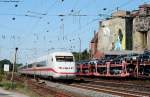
[13, 69]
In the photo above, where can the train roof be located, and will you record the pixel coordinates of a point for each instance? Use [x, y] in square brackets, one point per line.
[51, 54]
[61, 53]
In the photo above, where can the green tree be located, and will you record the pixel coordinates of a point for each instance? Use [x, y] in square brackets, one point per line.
[17, 65]
[76, 55]
[83, 56]
[2, 62]
[5, 61]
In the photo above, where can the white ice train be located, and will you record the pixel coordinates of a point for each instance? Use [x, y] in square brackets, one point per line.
[58, 65]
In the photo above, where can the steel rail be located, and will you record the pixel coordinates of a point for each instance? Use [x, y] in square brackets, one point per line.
[125, 93]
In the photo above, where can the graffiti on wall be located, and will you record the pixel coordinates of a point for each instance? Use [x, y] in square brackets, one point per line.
[106, 38]
[112, 36]
[118, 41]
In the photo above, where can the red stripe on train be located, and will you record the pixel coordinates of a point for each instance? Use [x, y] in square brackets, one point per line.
[47, 69]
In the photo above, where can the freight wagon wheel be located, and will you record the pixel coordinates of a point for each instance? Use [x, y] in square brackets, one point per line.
[81, 80]
[37, 79]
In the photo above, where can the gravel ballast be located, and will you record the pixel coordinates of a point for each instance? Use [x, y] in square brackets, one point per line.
[79, 91]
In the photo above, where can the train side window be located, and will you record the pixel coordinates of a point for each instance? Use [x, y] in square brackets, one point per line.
[41, 64]
[52, 59]
[30, 66]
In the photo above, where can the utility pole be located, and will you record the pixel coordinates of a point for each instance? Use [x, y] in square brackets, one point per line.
[79, 48]
[13, 69]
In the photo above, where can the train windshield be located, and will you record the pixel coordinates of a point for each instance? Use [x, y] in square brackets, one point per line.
[64, 58]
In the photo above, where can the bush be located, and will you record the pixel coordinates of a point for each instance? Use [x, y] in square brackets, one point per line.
[20, 85]
[1, 77]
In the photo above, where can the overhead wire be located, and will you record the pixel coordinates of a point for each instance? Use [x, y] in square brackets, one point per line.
[75, 15]
[36, 24]
[44, 14]
[13, 37]
[120, 6]
[7, 1]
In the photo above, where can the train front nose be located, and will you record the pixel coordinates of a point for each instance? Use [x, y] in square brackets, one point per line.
[66, 72]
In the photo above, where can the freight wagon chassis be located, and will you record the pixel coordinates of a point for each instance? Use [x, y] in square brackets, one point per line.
[123, 69]
[139, 69]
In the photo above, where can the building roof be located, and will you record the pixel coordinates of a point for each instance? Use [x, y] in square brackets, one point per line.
[144, 6]
[120, 13]
[135, 13]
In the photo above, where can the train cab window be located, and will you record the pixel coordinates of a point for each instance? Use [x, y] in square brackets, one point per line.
[25, 67]
[69, 58]
[64, 58]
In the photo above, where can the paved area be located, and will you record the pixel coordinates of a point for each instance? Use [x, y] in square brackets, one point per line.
[5, 93]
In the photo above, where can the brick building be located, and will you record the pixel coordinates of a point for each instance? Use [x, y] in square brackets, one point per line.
[94, 53]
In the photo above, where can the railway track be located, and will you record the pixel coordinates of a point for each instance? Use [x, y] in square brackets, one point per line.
[40, 88]
[125, 89]
[129, 83]
[112, 90]
[46, 91]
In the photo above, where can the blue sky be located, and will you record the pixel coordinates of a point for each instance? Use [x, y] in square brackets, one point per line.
[35, 27]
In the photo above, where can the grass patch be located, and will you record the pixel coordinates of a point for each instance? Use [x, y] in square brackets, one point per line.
[147, 81]
[17, 86]
[27, 91]
[20, 87]
[7, 85]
